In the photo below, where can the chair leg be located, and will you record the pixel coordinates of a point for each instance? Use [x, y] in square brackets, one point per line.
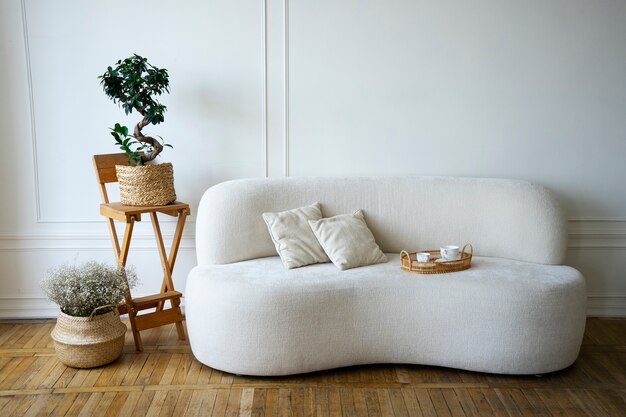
[133, 326]
[168, 264]
[123, 256]
[181, 330]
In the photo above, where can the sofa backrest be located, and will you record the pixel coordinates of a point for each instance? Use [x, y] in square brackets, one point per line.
[501, 218]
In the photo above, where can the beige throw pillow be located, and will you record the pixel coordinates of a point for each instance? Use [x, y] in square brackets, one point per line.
[295, 242]
[347, 240]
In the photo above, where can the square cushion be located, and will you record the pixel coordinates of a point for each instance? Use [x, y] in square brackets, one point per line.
[347, 240]
[295, 242]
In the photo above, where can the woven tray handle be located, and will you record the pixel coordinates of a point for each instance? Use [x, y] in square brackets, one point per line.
[471, 249]
[405, 254]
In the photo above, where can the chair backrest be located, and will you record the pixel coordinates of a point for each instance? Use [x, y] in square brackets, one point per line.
[105, 170]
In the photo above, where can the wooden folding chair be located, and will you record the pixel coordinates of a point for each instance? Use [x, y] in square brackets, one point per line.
[105, 173]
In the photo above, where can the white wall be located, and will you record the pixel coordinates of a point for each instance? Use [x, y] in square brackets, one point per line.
[531, 90]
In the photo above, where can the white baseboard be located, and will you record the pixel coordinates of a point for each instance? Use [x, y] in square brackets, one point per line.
[606, 305]
[27, 308]
[36, 308]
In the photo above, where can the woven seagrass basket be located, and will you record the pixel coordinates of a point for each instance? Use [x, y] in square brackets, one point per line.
[87, 342]
[146, 185]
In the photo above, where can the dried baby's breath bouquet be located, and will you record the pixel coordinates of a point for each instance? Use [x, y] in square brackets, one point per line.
[79, 290]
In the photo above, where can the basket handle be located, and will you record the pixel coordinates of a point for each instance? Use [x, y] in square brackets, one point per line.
[101, 307]
[471, 249]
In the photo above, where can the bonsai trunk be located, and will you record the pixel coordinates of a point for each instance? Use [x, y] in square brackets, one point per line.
[156, 145]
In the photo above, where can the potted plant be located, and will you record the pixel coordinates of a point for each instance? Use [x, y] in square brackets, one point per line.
[133, 84]
[88, 332]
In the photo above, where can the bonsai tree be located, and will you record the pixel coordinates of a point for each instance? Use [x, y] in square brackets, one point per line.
[133, 84]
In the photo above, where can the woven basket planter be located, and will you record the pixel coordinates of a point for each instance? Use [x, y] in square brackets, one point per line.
[87, 342]
[146, 185]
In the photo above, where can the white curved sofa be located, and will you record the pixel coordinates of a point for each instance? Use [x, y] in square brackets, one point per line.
[517, 310]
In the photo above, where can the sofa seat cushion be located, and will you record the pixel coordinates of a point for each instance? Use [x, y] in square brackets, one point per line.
[501, 316]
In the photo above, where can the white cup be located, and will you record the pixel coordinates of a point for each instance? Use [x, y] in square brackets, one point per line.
[449, 253]
[423, 257]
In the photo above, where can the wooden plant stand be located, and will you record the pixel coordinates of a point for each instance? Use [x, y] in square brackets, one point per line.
[105, 173]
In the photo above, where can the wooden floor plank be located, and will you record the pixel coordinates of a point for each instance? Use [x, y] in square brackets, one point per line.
[334, 402]
[384, 402]
[397, 402]
[79, 401]
[37, 406]
[557, 402]
[453, 402]
[372, 403]
[271, 403]
[589, 404]
[122, 367]
[195, 404]
[360, 406]
[170, 369]
[48, 368]
[22, 404]
[64, 404]
[246, 401]
[183, 369]
[30, 373]
[18, 372]
[418, 402]
[221, 403]
[129, 404]
[14, 336]
[30, 332]
[612, 402]
[180, 407]
[258, 402]
[495, 403]
[6, 332]
[138, 362]
[469, 408]
[168, 406]
[143, 404]
[194, 372]
[104, 404]
[116, 405]
[439, 402]
[234, 399]
[213, 400]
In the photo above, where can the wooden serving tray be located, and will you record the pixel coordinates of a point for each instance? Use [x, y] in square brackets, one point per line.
[409, 263]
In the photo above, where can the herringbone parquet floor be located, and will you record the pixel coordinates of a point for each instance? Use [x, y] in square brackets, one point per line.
[166, 380]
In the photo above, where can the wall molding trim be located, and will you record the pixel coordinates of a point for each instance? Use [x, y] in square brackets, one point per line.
[34, 307]
[597, 233]
[286, 103]
[597, 219]
[85, 242]
[265, 112]
[583, 234]
[31, 102]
